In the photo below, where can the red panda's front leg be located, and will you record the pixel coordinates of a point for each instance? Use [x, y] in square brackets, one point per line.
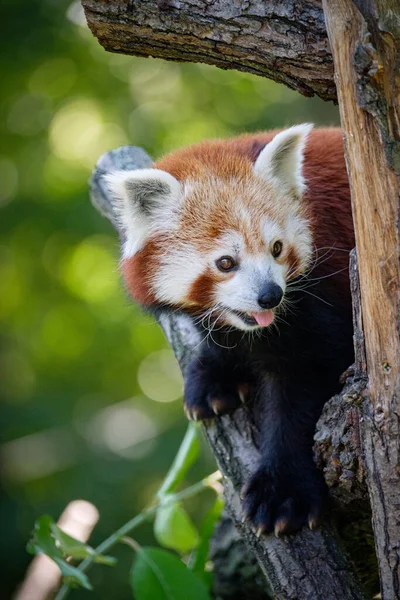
[287, 491]
[213, 386]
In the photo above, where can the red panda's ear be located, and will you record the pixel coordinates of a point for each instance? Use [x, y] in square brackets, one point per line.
[146, 201]
[281, 161]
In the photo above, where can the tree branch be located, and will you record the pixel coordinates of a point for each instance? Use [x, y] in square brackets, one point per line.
[284, 41]
[310, 565]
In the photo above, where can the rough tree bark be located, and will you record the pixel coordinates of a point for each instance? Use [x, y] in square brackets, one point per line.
[357, 439]
[367, 65]
[285, 41]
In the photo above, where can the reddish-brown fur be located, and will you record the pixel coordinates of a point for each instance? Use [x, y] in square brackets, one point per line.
[137, 272]
[293, 263]
[326, 201]
[201, 292]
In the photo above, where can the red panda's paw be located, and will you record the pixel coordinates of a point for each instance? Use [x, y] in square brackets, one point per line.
[284, 503]
[207, 399]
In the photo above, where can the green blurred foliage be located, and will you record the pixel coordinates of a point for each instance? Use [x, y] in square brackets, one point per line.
[90, 401]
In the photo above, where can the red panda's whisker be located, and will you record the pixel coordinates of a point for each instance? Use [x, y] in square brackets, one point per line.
[314, 295]
[300, 284]
[329, 274]
[212, 327]
[202, 321]
[332, 248]
[318, 259]
[317, 262]
[326, 256]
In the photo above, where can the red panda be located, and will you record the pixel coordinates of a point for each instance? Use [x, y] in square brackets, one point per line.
[250, 237]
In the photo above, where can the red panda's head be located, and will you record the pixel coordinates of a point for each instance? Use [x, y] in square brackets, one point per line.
[211, 233]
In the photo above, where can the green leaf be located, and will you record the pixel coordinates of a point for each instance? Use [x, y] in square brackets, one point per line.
[187, 455]
[42, 539]
[69, 545]
[72, 576]
[49, 539]
[174, 529]
[159, 575]
[199, 556]
[77, 549]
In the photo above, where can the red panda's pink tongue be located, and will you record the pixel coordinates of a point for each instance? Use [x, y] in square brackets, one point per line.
[263, 318]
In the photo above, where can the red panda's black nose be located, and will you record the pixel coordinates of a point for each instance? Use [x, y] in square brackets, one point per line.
[270, 296]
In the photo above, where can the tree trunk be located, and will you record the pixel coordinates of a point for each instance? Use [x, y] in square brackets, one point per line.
[367, 66]
[284, 41]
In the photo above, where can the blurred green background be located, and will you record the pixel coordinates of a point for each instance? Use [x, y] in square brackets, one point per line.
[91, 393]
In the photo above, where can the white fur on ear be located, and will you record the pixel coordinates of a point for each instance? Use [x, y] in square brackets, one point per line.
[147, 200]
[281, 161]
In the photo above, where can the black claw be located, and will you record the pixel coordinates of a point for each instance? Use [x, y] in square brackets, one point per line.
[208, 400]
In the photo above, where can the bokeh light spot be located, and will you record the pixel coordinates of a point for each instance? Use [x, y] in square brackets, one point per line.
[160, 83]
[90, 271]
[159, 376]
[48, 451]
[121, 428]
[78, 133]
[60, 184]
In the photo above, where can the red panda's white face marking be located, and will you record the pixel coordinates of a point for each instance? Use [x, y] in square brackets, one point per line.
[251, 217]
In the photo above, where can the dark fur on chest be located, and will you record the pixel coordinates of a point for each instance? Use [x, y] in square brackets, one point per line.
[314, 342]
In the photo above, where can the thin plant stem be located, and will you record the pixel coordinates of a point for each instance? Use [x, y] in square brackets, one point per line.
[131, 543]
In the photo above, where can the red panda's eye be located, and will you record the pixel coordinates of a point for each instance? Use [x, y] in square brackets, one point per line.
[277, 249]
[226, 263]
